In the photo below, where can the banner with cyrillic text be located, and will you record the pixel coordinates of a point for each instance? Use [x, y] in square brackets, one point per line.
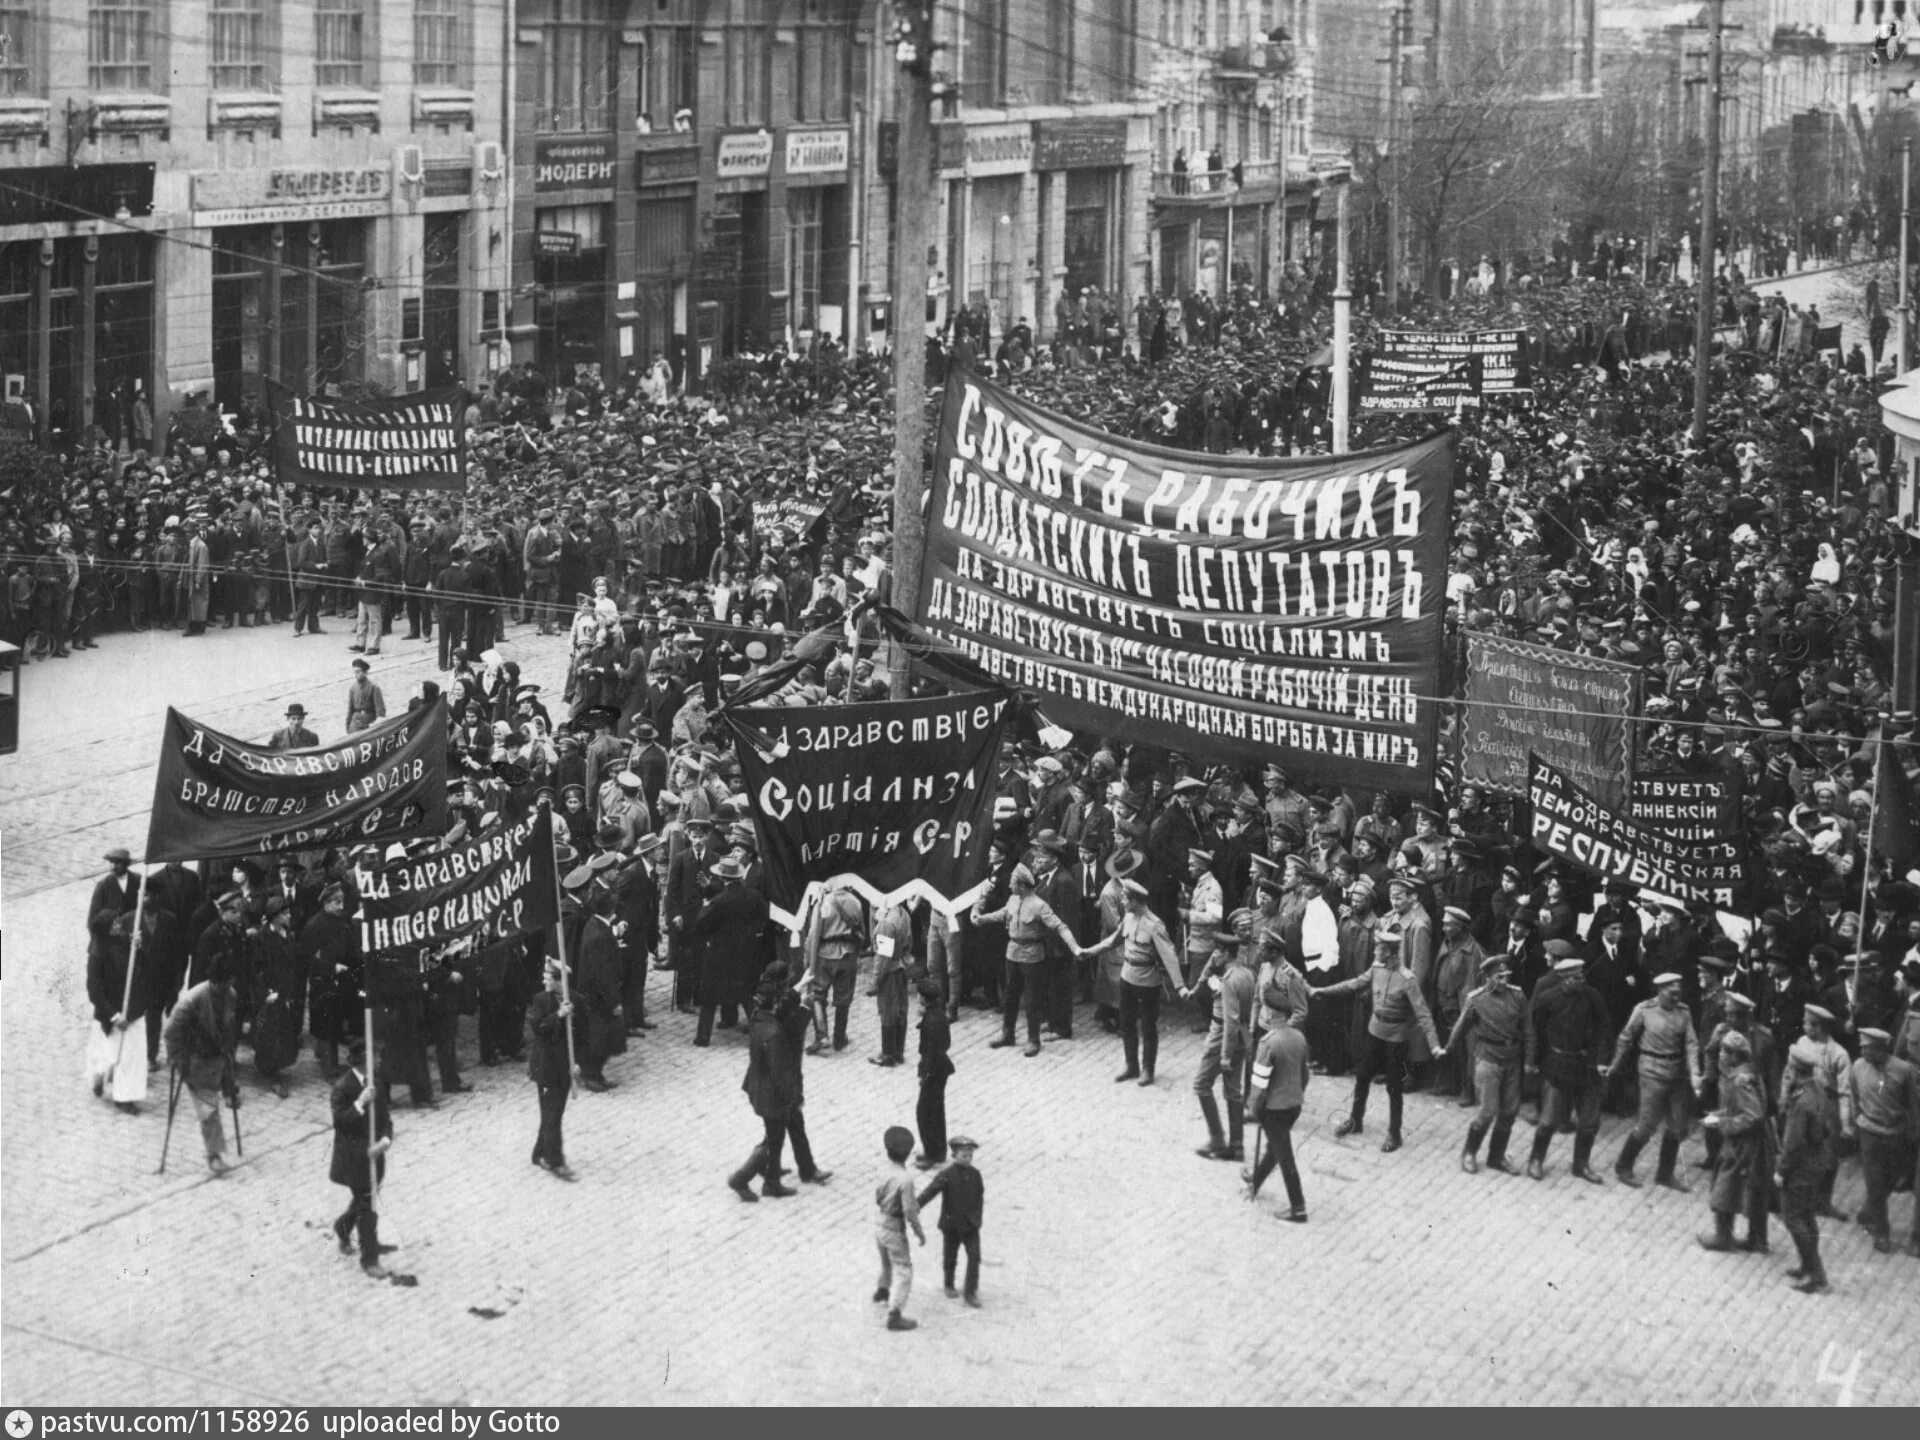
[1570, 709]
[1576, 826]
[1442, 369]
[894, 797]
[409, 442]
[1705, 811]
[1229, 607]
[491, 888]
[216, 796]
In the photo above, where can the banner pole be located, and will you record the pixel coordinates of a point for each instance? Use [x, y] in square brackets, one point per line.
[373, 1105]
[133, 958]
[1866, 841]
[560, 939]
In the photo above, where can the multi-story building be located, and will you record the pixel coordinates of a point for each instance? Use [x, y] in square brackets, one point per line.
[1044, 160]
[197, 194]
[1232, 83]
[684, 176]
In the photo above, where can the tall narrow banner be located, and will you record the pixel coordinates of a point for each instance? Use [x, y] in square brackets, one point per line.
[408, 442]
[1578, 827]
[895, 797]
[1439, 369]
[491, 888]
[1572, 710]
[1234, 608]
[216, 796]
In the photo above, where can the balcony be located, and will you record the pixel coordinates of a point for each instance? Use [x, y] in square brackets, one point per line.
[1245, 64]
[1259, 180]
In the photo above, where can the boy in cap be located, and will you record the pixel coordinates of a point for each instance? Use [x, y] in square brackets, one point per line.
[962, 1209]
[896, 1211]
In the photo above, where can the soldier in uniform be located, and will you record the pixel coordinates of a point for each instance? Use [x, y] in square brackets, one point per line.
[1232, 982]
[1739, 1015]
[1399, 1013]
[200, 1037]
[1498, 1026]
[1201, 915]
[1147, 955]
[835, 941]
[1807, 1136]
[1886, 1119]
[1831, 1069]
[1660, 1033]
[1745, 1168]
[1028, 919]
[1278, 1089]
[1569, 1039]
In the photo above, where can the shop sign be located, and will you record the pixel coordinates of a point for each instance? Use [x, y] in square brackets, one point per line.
[1079, 144]
[443, 181]
[999, 149]
[286, 187]
[816, 152]
[556, 242]
[573, 164]
[679, 165]
[744, 155]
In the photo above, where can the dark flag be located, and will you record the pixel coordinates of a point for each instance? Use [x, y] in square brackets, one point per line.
[1580, 828]
[1893, 837]
[216, 796]
[408, 442]
[492, 888]
[895, 796]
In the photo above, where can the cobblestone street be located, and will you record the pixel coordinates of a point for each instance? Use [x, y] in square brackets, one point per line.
[1119, 1268]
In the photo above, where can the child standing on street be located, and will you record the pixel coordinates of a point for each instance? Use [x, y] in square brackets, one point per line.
[965, 1192]
[897, 1211]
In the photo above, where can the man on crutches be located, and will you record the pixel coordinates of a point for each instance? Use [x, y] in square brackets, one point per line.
[200, 1036]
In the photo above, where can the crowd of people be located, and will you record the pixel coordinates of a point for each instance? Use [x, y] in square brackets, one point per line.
[683, 544]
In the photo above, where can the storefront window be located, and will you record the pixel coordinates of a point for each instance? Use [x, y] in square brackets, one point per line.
[1089, 219]
[572, 309]
[994, 242]
[120, 44]
[122, 330]
[19, 267]
[440, 310]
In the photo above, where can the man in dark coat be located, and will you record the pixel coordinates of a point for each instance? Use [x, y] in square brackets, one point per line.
[328, 945]
[636, 925]
[600, 1027]
[283, 992]
[357, 1163]
[775, 1088]
[683, 897]
[729, 928]
[936, 1065]
[1570, 1038]
[1175, 834]
[548, 1067]
[451, 583]
[114, 894]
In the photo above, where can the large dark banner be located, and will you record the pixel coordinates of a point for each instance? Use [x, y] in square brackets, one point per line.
[217, 796]
[409, 442]
[1439, 369]
[1576, 826]
[1570, 709]
[492, 888]
[1230, 607]
[895, 796]
[1689, 807]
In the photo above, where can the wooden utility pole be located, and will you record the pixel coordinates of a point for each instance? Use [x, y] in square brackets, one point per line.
[1342, 318]
[1709, 224]
[1398, 19]
[913, 181]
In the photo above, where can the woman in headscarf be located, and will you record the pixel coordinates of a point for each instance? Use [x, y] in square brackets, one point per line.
[1826, 569]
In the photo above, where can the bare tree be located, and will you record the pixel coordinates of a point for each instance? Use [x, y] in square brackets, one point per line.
[1483, 144]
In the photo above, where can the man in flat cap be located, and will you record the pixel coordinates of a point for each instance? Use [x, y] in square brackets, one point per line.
[1885, 1120]
[1146, 958]
[1660, 1035]
[1568, 1044]
[1832, 1069]
[1497, 1025]
[1029, 920]
[1230, 986]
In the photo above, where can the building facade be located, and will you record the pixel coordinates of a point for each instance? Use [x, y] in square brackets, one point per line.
[685, 178]
[1232, 84]
[1043, 162]
[199, 195]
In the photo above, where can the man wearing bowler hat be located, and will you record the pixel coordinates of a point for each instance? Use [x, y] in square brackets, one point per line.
[294, 735]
